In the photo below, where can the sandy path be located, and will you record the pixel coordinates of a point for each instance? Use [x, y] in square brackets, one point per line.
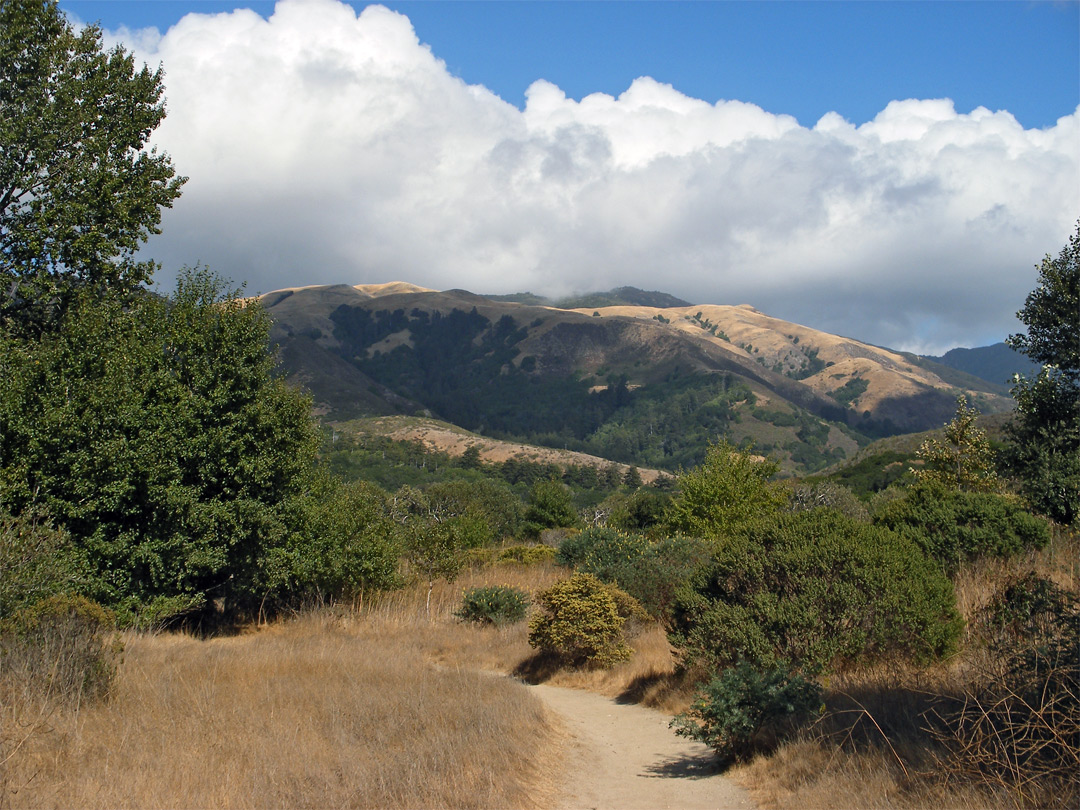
[624, 757]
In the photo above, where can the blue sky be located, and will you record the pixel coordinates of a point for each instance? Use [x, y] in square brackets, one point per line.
[888, 171]
[799, 57]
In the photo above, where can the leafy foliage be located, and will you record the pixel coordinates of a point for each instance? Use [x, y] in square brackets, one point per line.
[818, 590]
[649, 570]
[729, 490]
[964, 460]
[79, 193]
[550, 507]
[156, 436]
[1046, 431]
[36, 561]
[745, 711]
[580, 622]
[953, 526]
[348, 545]
[496, 604]
[807, 495]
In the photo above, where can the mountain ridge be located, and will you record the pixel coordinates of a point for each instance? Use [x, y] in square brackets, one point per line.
[648, 385]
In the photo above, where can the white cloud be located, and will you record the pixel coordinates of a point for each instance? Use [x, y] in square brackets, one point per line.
[327, 147]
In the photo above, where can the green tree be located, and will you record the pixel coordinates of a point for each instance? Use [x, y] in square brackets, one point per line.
[79, 192]
[728, 490]
[347, 546]
[156, 435]
[434, 539]
[550, 507]
[964, 460]
[1045, 433]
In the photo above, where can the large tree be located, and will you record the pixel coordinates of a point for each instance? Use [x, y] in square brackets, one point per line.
[1046, 429]
[154, 432]
[79, 190]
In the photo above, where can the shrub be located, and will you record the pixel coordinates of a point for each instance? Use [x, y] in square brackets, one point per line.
[496, 604]
[745, 711]
[814, 495]
[599, 549]
[580, 622]
[61, 648]
[730, 489]
[36, 560]
[819, 590]
[525, 555]
[954, 526]
[650, 571]
[510, 555]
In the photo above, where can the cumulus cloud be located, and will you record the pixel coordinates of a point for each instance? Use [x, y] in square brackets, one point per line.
[329, 147]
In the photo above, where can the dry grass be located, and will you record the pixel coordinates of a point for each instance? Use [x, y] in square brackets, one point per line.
[649, 677]
[319, 711]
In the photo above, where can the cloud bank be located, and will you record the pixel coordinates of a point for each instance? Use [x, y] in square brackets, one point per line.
[326, 147]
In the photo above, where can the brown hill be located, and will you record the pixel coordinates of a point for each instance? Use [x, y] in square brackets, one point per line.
[546, 374]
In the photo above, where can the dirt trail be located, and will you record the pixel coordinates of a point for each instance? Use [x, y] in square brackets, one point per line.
[624, 757]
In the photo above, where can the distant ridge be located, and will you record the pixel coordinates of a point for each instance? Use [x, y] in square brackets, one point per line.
[630, 382]
[620, 296]
[996, 364]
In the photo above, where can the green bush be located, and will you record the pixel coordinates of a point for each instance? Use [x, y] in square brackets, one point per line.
[730, 489]
[581, 622]
[600, 548]
[510, 555]
[816, 589]
[954, 526]
[650, 571]
[816, 494]
[525, 555]
[36, 560]
[62, 648]
[744, 711]
[496, 604]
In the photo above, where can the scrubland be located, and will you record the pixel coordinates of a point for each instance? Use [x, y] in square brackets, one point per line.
[382, 705]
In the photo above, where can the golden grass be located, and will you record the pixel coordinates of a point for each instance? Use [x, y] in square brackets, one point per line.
[314, 712]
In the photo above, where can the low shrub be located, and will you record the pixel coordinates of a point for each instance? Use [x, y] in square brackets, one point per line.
[746, 711]
[510, 555]
[819, 590]
[817, 494]
[582, 622]
[496, 604]
[62, 649]
[953, 526]
[525, 555]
